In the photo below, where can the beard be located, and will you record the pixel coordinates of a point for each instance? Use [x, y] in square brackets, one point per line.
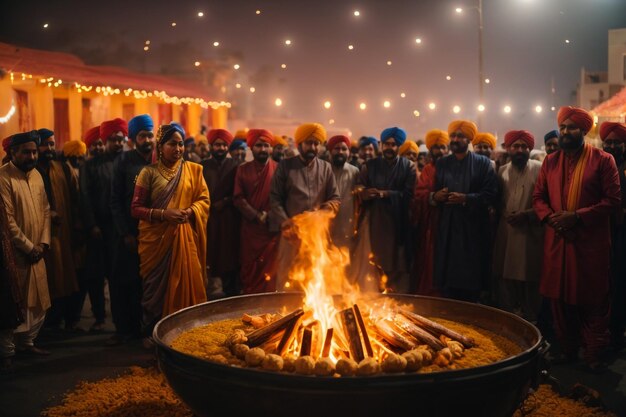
[572, 142]
[309, 155]
[617, 154]
[219, 155]
[47, 156]
[145, 148]
[389, 154]
[26, 166]
[458, 147]
[339, 160]
[278, 156]
[520, 159]
[261, 157]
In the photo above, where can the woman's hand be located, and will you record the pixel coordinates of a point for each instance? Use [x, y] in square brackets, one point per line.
[175, 216]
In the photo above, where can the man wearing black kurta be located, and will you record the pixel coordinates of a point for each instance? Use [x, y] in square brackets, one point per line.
[388, 188]
[224, 218]
[466, 185]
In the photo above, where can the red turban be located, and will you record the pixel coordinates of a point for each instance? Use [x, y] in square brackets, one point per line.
[91, 136]
[223, 134]
[515, 135]
[607, 128]
[6, 144]
[255, 135]
[113, 126]
[581, 117]
[335, 140]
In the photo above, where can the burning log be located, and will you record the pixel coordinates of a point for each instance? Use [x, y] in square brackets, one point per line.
[393, 337]
[259, 336]
[438, 329]
[366, 339]
[419, 333]
[327, 342]
[351, 329]
[288, 337]
[307, 336]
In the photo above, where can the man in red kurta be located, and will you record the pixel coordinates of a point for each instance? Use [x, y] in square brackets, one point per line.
[425, 216]
[252, 198]
[576, 192]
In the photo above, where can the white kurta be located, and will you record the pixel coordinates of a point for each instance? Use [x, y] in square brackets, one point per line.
[342, 230]
[28, 213]
[518, 250]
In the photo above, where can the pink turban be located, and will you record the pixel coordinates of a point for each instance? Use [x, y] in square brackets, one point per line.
[607, 128]
[335, 140]
[113, 126]
[255, 135]
[515, 135]
[215, 134]
[581, 117]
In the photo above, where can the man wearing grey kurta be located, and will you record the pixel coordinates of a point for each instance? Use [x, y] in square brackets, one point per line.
[519, 240]
[300, 183]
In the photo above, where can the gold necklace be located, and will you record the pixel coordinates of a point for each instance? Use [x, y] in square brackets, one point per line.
[168, 173]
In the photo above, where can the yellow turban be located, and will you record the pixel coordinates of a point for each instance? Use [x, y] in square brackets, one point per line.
[408, 146]
[74, 148]
[437, 137]
[280, 140]
[201, 139]
[307, 130]
[468, 128]
[241, 134]
[484, 137]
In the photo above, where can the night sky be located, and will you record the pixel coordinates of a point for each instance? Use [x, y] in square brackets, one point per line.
[524, 48]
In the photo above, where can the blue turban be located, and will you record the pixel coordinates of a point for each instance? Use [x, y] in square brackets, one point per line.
[551, 134]
[237, 144]
[45, 133]
[21, 138]
[166, 131]
[397, 133]
[138, 123]
[189, 140]
[368, 140]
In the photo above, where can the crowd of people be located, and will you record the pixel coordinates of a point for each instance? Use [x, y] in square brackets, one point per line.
[169, 221]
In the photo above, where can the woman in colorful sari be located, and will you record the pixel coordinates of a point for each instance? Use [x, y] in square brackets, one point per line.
[171, 201]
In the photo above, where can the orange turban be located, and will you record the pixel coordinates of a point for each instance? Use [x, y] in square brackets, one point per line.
[201, 139]
[437, 137]
[484, 137]
[91, 136]
[241, 134]
[254, 135]
[581, 117]
[113, 126]
[468, 128]
[74, 148]
[335, 140]
[307, 130]
[408, 146]
[215, 134]
[607, 128]
[280, 140]
[515, 135]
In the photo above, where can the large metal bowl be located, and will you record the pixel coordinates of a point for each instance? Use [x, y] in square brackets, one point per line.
[212, 389]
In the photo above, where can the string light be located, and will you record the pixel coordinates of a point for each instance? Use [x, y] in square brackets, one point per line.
[200, 14]
[538, 109]
[507, 109]
[258, 12]
[350, 47]
[388, 62]
[197, 63]
[481, 108]
[327, 104]
[283, 66]
[448, 77]
[237, 85]
[252, 89]
[386, 104]
[432, 106]
[362, 106]
[4, 119]
[357, 13]
[487, 80]
[236, 66]
[173, 24]
[456, 109]
[403, 95]
[45, 26]
[216, 43]
[418, 40]
[288, 42]
[416, 113]
[278, 102]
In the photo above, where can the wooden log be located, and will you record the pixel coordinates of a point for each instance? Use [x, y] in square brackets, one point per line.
[305, 347]
[327, 342]
[418, 333]
[316, 338]
[351, 330]
[366, 338]
[288, 336]
[259, 336]
[392, 336]
[438, 329]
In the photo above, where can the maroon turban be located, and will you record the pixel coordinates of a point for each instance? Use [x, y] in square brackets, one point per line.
[581, 117]
[255, 135]
[607, 128]
[515, 135]
[223, 134]
[113, 126]
[335, 140]
[91, 136]
[6, 144]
